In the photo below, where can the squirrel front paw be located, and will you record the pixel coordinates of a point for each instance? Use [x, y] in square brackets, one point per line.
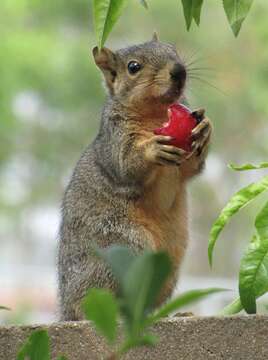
[201, 137]
[158, 151]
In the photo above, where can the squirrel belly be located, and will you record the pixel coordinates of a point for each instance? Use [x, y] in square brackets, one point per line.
[162, 211]
[129, 186]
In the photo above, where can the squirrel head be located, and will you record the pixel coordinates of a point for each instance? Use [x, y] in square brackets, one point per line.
[144, 75]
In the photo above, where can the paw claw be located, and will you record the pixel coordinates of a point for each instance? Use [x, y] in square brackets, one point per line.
[199, 115]
[162, 139]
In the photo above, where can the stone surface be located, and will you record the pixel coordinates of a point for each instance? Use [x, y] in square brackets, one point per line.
[204, 338]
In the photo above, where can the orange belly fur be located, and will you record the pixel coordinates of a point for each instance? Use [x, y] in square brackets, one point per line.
[162, 212]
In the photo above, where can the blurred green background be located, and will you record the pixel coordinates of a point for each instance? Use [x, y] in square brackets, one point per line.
[50, 101]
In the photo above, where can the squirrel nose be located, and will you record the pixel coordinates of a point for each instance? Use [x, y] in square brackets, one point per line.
[178, 73]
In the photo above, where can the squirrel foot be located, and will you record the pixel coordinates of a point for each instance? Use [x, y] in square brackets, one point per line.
[184, 314]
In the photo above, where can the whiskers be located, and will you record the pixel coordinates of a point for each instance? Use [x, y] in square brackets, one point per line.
[196, 71]
[206, 82]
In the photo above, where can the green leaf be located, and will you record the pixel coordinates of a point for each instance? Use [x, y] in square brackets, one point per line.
[118, 258]
[192, 10]
[184, 299]
[144, 4]
[260, 289]
[36, 347]
[147, 340]
[236, 11]
[253, 275]
[242, 198]
[142, 340]
[5, 308]
[142, 284]
[187, 10]
[253, 269]
[261, 222]
[100, 306]
[253, 265]
[197, 11]
[248, 166]
[106, 13]
[233, 308]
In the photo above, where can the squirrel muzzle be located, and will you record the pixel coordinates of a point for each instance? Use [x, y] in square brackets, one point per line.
[178, 75]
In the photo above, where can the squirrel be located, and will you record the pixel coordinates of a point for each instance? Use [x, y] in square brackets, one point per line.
[129, 186]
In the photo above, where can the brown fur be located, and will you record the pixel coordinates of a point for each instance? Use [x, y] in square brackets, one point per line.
[129, 187]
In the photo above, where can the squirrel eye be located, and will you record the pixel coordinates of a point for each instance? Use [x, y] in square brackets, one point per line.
[133, 67]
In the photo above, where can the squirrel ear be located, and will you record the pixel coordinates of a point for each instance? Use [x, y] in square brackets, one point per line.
[155, 36]
[105, 59]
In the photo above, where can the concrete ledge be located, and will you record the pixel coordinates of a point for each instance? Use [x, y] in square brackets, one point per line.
[203, 338]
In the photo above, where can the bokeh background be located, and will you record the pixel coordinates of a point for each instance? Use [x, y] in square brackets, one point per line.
[50, 102]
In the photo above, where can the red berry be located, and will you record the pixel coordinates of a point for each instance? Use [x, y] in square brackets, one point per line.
[180, 124]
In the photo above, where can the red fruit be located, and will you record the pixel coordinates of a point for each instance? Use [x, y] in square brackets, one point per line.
[180, 124]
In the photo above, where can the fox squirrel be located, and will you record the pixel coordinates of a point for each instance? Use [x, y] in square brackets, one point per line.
[129, 186]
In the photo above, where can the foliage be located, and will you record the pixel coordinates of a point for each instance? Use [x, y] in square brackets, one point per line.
[236, 11]
[139, 289]
[140, 280]
[107, 12]
[101, 308]
[241, 199]
[182, 300]
[4, 308]
[144, 3]
[192, 10]
[248, 166]
[253, 274]
[37, 347]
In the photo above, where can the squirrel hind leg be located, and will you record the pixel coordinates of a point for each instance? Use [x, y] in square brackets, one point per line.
[71, 299]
